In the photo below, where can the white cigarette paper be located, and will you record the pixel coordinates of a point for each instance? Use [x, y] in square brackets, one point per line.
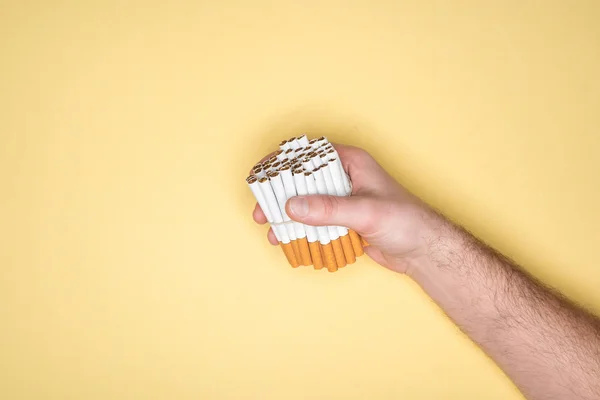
[322, 141]
[262, 202]
[281, 155]
[303, 140]
[311, 186]
[273, 207]
[317, 162]
[284, 145]
[294, 144]
[322, 189]
[308, 165]
[289, 154]
[302, 190]
[279, 190]
[334, 156]
[336, 174]
[290, 191]
[342, 231]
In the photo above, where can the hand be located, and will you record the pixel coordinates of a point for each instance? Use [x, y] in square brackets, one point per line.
[396, 224]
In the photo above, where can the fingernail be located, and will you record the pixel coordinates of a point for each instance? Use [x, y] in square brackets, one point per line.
[299, 206]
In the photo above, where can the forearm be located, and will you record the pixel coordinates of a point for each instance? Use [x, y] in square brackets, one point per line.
[547, 346]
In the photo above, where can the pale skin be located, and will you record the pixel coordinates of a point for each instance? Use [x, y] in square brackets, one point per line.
[548, 346]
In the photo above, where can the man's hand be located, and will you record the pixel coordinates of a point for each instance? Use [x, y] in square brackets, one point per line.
[549, 347]
[394, 222]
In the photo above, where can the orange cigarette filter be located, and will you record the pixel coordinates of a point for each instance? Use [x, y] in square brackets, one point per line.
[329, 257]
[315, 254]
[296, 251]
[304, 250]
[356, 243]
[338, 251]
[289, 254]
[348, 250]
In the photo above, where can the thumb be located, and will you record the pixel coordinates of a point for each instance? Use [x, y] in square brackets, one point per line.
[354, 212]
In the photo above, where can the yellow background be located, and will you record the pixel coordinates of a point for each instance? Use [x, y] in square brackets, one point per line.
[129, 264]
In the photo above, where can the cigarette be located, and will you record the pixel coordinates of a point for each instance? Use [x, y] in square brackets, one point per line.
[322, 141]
[279, 155]
[260, 173]
[356, 243]
[307, 164]
[284, 145]
[348, 249]
[273, 209]
[294, 144]
[274, 166]
[314, 144]
[273, 214]
[290, 191]
[279, 191]
[325, 170]
[334, 235]
[334, 156]
[322, 232]
[260, 198]
[316, 161]
[311, 232]
[329, 257]
[303, 140]
[344, 245]
[338, 175]
[289, 154]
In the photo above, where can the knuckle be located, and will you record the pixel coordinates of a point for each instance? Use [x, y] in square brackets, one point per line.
[362, 158]
[330, 206]
[373, 215]
[363, 154]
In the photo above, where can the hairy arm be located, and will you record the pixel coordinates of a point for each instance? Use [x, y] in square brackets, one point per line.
[549, 347]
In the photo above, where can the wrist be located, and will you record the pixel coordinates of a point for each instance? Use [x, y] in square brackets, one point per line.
[406, 230]
[435, 234]
[444, 252]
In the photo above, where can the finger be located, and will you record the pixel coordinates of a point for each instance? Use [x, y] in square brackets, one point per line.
[351, 156]
[368, 177]
[355, 212]
[271, 236]
[258, 215]
[360, 166]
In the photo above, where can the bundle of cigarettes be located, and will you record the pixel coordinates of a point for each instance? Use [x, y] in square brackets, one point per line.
[302, 167]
